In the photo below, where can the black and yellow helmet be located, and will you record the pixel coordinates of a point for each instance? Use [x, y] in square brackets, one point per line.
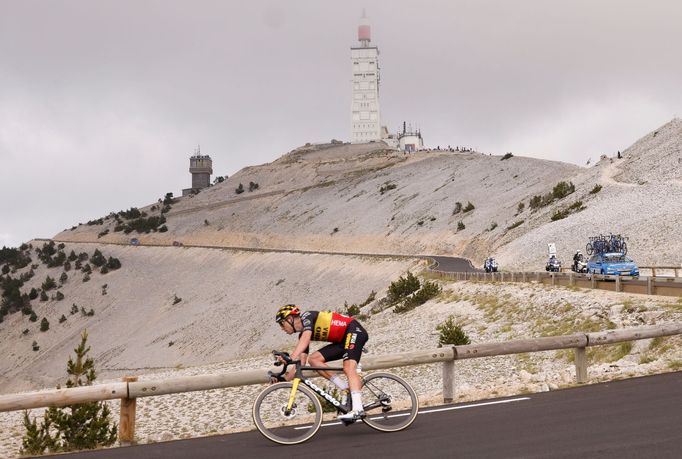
[285, 311]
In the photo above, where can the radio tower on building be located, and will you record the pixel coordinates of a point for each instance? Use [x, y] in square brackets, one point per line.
[365, 119]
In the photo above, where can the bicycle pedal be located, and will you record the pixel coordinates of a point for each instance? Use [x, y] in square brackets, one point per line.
[347, 423]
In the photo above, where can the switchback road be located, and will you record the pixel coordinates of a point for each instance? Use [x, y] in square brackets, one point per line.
[634, 418]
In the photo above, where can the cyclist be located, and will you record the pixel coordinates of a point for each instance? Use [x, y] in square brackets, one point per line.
[346, 337]
[578, 256]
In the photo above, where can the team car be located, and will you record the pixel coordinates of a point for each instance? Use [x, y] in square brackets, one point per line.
[612, 264]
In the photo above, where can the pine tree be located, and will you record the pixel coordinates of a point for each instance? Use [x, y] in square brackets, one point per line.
[75, 427]
[37, 438]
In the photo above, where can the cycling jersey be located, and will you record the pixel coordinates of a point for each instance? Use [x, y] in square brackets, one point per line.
[326, 325]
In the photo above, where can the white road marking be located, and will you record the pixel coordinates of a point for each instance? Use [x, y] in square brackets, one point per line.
[437, 410]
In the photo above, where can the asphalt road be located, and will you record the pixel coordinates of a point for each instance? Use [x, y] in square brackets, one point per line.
[453, 264]
[634, 418]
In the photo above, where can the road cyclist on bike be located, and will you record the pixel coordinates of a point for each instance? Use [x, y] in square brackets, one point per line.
[346, 339]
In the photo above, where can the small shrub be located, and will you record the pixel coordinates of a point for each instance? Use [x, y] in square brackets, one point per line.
[59, 296]
[33, 294]
[507, 156]
[35, 346]
[176, 299]
[427, 291]
[402, 287]
[86, 278]
[352, 310]
[387, 187]
[457, 209]
[253, 186]
[43, 296]
[596, 189]
[515, 224]
[74, 309]
[63, 278]
[44, 325]
[450, 332]
[239, 189]
[460, 226]
[469, 207]
[62, 319]
[520, 208]
[33, 317]
[49, 284]
[562, 189]
[25, 332]
[493, 225]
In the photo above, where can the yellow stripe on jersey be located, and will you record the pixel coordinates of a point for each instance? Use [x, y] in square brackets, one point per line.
[322, 325]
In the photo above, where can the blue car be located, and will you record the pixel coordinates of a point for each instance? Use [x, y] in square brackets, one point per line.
[612, 264]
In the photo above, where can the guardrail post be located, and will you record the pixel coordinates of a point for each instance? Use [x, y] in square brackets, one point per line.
[653, 271]
[571, 280]
[580, 358]
[523, 276]
[594, 281]
[537, 276]
[448, 381]
[618, 286]
[553, 278]
[126, 424]
[649, 286]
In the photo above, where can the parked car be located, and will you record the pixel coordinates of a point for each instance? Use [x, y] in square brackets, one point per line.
[134, 241]
[177, 244]
[612, 264]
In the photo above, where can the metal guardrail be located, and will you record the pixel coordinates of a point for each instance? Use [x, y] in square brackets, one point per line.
[130, 389]
[667, 286]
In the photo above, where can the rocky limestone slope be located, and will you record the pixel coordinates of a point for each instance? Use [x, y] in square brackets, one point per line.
[366, 198]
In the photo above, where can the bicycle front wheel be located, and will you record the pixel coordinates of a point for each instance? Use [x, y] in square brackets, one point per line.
[271, 418]
[390, 403]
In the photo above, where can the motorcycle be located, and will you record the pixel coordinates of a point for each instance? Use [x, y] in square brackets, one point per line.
[579, 266]
[490, 265]
[553, 265]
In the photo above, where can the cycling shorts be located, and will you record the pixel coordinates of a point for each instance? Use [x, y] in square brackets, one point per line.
[350, 348]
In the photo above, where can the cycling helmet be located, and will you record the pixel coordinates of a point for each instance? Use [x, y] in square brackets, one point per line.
[285, 311]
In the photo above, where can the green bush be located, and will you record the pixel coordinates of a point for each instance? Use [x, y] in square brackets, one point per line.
[596, 189]
[469, 207]
[427, 291]
[507, 156]
[460, 226]
[387, 187]
[520, 208]
[49, 284]
[515, 225]
[562, 189]
[59, 296]
[239, 189]
[43, 296]
[44, 325]
[450, 332]
[403, 287]
[76, 427]
[457, 209]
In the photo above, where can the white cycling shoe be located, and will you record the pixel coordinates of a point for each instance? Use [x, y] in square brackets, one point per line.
[351, 416]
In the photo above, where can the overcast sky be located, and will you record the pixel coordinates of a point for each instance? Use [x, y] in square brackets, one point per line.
[102, 102]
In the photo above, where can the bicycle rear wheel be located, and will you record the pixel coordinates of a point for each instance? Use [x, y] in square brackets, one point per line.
[269, 414]
[390, 402]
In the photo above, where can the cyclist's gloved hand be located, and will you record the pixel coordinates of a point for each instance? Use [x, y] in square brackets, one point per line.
[274, 377]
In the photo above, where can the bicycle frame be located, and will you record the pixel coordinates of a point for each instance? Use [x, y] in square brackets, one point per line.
[298, 378]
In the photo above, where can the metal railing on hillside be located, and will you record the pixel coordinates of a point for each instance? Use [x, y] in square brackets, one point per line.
[131, 389]
[667, 286]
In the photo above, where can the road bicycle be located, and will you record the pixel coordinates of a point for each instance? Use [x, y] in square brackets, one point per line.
[290, 412]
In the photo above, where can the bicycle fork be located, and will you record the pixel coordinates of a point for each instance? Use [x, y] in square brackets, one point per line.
[292, 396]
